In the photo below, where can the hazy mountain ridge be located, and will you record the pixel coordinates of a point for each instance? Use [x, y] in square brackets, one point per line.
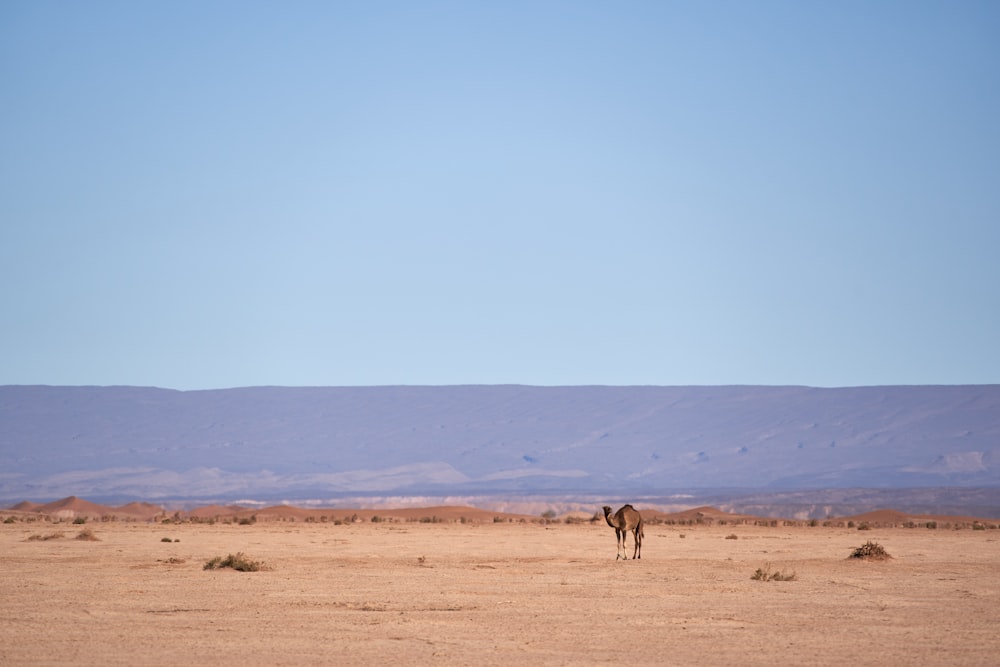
[470, 440]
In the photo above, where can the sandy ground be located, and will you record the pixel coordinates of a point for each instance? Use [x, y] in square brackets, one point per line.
[495, 594]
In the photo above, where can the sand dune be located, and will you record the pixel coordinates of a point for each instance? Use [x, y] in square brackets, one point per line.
[72, 507]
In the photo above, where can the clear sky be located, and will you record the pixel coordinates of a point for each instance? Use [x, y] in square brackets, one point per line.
[217, 194]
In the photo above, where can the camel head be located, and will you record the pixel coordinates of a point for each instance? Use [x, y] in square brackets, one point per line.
[607, 510]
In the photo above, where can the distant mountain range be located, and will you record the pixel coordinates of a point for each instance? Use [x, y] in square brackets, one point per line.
[507, 441]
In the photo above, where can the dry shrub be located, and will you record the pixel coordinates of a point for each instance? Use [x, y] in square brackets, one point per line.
[88, 535]
[42, 538]
[732, 536]
[765, 574]
[237, 561]
[870, 551]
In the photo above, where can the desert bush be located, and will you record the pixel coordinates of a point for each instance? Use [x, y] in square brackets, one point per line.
[870, 551]
[43, 538]
[732, 536]
[9, 519]
[86, 534]
[765, 574]
[248, 520]
[237, 561]
[932, 524]
[978, 526]
[864, 526]
[80, 520]
[166, 539]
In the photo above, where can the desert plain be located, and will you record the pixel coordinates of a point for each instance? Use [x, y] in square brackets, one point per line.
[456, 592]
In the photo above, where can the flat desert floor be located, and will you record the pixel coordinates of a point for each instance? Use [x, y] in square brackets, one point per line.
[495, 594]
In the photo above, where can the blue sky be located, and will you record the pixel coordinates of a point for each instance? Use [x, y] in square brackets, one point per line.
[201, 195]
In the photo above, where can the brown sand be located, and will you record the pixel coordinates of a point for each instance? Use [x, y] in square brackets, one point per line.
[494, 594]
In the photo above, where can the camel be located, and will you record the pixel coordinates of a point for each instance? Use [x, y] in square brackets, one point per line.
[624, 520]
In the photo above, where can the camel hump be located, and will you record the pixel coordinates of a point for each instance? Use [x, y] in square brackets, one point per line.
[628, 506]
